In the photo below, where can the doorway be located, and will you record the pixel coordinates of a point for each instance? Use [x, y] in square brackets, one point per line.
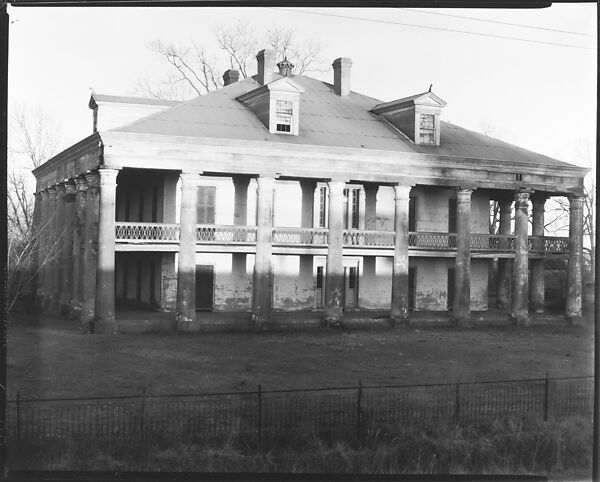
[450, 289]
[412, 286]
[205, 279]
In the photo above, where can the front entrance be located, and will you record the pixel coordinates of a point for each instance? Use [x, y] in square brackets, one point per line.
[450, 289]
[204, 287]
[351, 277]
[412, 286]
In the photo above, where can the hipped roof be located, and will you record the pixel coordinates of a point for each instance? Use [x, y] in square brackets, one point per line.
[326, 119]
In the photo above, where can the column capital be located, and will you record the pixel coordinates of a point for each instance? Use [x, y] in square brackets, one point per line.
[61, 189]
[93, 180]
[401, 192]
[108, 175]
[576, 201]
[336, 187]
[80, 184]
[265, 182]
[521, 199]
[70, 187]
[463, 195]
[539, 196]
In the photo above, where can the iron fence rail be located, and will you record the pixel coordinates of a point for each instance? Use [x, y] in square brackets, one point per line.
[348, 410]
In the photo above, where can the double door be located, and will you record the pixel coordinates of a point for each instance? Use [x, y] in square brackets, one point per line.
[350, 291]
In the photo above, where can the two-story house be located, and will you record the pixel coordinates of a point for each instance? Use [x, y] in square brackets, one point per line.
[283, 193]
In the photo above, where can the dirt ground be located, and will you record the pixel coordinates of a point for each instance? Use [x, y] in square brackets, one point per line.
[51, 358]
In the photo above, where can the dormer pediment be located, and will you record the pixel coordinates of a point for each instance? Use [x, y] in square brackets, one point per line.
[276, 104]
[416, 116]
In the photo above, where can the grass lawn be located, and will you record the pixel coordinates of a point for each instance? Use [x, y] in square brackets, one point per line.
[49, 357]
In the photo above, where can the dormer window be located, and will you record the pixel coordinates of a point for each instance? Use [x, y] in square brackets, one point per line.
[283, 112]
[427, 129]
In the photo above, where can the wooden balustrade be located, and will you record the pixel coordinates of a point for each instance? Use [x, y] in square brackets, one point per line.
[300, 236]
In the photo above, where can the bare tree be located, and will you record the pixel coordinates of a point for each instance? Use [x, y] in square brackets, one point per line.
[33, 139]
[194, 70]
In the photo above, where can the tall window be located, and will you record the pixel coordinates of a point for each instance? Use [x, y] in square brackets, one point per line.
[351, 208]
[283, 114]
[322, 207]
[427, 129]
[205, 211]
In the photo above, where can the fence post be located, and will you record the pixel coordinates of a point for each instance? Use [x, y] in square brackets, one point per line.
[457, 403]
[358, 408]
[259, 414]
[546, 396]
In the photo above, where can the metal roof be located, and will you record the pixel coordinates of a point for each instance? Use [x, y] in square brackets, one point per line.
[326, 119]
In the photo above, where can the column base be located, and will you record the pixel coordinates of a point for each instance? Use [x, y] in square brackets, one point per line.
[520, 319]
[105, 327]
[463, 321]
[334, 317]
[574, 320]
[185, 323]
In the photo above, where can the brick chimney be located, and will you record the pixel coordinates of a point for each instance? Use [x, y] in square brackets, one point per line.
[341, 75]
[230, 77]
[265, 64]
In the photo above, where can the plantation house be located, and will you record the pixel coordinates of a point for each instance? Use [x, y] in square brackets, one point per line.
[283, 193]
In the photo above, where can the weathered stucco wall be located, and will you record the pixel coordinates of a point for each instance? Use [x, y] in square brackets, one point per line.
[294, 283]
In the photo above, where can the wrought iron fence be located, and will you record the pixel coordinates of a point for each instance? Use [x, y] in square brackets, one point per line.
[344, 410]
[437, 241]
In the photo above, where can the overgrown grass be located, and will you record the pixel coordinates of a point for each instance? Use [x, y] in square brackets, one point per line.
[561, 449]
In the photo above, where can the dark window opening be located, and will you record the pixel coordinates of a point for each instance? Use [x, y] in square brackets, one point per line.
[450, 289]
[154, 204]
[284, 128]
[352, 277]
[412, 286]
[412, 214]
[319, 277]
[452, 215]
[283, 115]
[519, 177]
[127, 206]
[141, 206]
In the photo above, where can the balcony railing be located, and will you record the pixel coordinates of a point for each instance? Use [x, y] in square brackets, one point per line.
[363, 238]
[300, 236]
[147, 233]
[225, 234]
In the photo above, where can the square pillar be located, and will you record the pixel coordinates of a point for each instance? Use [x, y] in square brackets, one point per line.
[537, 287]
[240, 218]
[399, 309]
[78, 245]
[186, 270]
[90, 252]
[462, 270]
[334, 284]
[504, 264]
[575, 263]
[520, 287]
[262, 299]
[105, 275]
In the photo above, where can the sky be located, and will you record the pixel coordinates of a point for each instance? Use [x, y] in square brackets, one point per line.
[538, 92]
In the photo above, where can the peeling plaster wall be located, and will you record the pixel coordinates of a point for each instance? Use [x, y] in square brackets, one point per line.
[432, 209]
[479, 284]
[293, 289]
[375, 283]
[287, 204]
[431, 283]
[232, 291]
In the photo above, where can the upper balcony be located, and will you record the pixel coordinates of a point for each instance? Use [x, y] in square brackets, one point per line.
[232, 238]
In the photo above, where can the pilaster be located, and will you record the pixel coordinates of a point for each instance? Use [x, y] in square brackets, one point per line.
[399, 307]
[78, 246]
[90, 252]
[60, 235]
[520, 289]
[462, 271]
[68, 281]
